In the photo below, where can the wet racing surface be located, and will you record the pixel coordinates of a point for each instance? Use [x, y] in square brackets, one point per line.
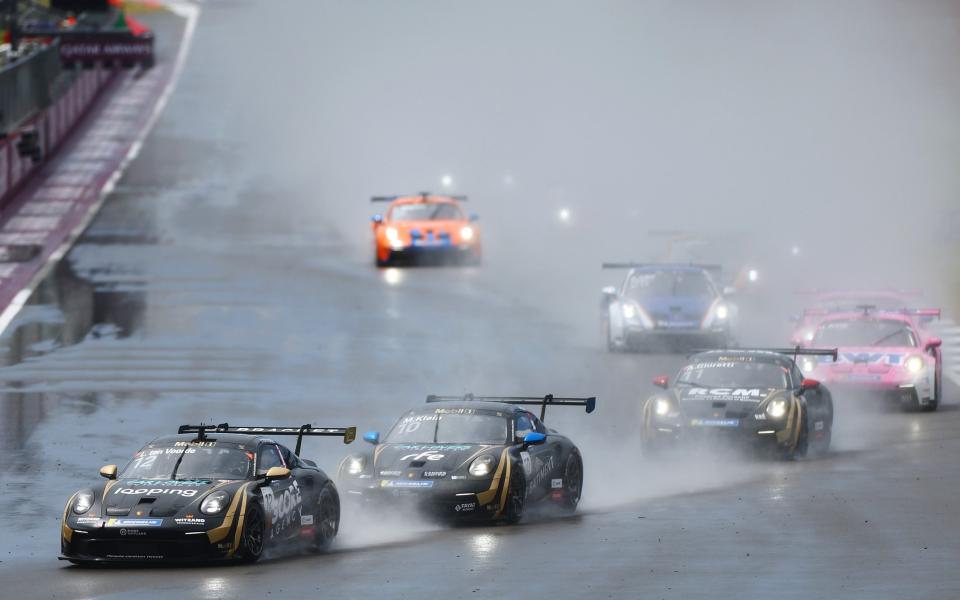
[221, 283]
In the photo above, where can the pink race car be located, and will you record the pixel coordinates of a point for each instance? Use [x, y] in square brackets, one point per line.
[880, 352]
[825, 303]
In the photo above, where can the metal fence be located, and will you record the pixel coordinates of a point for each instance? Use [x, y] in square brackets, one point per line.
[28, 86]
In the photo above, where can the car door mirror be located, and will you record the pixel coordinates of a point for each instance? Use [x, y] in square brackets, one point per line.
[474, 218]
[534, 438]
[108, 471]
[608, 295]
[309, 462]
[934, 343]
[277, 473]
[809, 384]
[376, 219]
[661, 381]
[372, 437]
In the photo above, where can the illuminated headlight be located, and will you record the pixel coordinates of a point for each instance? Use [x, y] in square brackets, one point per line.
[393, 236]
[83, 502]
[777, 409]
[355, 465]
[808, 336]
[215, 503]
[752, 275]
[482, 465]
[807, 365]
[661, 407]
[914, 364]
[629, 311]
[722, 311]
[466, 233]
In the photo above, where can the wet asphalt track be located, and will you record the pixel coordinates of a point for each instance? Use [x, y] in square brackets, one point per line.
[210, 303]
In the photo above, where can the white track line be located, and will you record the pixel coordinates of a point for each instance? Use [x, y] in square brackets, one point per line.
[191, 13]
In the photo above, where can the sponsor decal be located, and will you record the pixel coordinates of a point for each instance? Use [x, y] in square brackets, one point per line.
[437, 447]
[715, 422]
[132, 532]
[710, 365]
[134, 522]
[458, 477]
[556, 484]
[404, 483]
[527, 463]
[426, 455]
[466, 507]
[390, 473]
[282, 507]
[873, 358]
[88, 520]
[156, 492]
[729, 392]
[207, 444]
[169, 482]
[306, 520]
[437, 474]
[190, 520]
[545, 469]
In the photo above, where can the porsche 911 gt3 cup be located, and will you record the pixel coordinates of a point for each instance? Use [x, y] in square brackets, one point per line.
[757, 398]
[470, 457]
[883, 354]
[665, 305]
[211, 492]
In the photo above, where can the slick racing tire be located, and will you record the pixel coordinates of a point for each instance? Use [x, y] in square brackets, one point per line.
[803, 440]
[516, 496]
[326, 521]
[935, 401]
[383, 263]
[254, 535]
[608, 339]
[572, 483]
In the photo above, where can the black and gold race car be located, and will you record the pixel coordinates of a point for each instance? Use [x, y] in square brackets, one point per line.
[211, 492]
[755, 397]
[470, 457]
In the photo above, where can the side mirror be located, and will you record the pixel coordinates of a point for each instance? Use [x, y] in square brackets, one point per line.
[474, 218]
[809, 384]
[608, 296]
[108, 471]
[372, 437]
[275, 473]
[309, 462]
[661, 381]
[377, 219]
[934, 343]
[534, 439]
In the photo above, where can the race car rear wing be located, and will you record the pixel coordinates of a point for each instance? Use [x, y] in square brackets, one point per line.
[926, 314]
[423, 195]
[347, 433]
[795, 351]
[636, 265]
[541, 401]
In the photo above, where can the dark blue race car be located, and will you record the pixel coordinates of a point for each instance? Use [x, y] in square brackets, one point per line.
[666, 306]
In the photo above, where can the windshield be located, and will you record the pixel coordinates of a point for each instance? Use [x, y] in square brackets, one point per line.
[864, 332]
[191, 461]
[451, 428]
[734, 374]
[430, 211]
[646, 285]
[851, 302]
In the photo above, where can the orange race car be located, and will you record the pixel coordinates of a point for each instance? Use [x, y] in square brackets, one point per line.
[425, 227]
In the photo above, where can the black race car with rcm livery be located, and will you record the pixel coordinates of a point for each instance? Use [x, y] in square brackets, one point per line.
[759, 398]
[470, 457]
[211, 492]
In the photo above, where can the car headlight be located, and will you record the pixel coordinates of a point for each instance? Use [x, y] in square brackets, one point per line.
[661, 407]
[355, 465]
[215, 503]
[808, 335]
[777, 409]
[83, 502]
[393, 235]
[914, 364]
[629, 311]
[722, 311]
[752, 275]
[466, 233]
[482, 465]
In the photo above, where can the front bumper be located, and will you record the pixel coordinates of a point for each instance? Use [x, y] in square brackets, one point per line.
[160, 546]
[640, 337]
[901, 390]
[434, 252]
[744, 432]
[444, 498]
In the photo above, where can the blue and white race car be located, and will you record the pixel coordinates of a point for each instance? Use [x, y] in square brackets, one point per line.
[666, 307]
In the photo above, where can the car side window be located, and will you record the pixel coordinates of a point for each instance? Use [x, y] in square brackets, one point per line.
[796, 375]
[523, 424]
[538, 425]
[268, 458]
[289, 458]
